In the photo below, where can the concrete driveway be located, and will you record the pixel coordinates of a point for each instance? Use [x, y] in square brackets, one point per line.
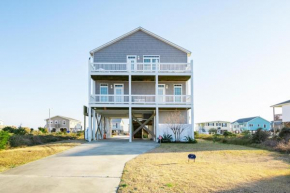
[90, 167]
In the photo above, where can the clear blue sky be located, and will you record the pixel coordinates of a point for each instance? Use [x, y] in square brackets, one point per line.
[241, 52]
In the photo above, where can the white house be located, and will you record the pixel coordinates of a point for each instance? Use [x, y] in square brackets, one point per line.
[142, 77]
[220, 126]
[63, 124]
[285, 117]
[117, 126]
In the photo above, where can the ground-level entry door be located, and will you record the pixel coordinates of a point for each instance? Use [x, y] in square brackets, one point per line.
[132, 62]
[119, 93]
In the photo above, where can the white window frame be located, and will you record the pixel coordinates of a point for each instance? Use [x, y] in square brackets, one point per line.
[104, 98]
[56, 122]
[51, 121]
[130, 64]
[122, 96]
[151, 64]
[177, 96]
[63, 122]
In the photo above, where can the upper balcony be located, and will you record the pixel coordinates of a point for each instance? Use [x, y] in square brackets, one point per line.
[140, 68]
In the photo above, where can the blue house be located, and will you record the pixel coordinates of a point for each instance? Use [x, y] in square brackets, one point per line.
[251, 124]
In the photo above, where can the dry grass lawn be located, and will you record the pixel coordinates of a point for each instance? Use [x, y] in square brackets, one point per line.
[218, 168]
[14, 157]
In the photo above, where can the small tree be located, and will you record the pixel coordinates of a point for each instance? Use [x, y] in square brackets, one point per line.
[175, 122]
[260, 136]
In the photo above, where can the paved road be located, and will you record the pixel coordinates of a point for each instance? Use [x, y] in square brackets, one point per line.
[90, 167]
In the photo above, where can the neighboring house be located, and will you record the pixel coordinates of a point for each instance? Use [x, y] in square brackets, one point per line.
[250, 124]
[284, 119]
[142, 77]
[117, 126]
[220, 126]
[63, 124]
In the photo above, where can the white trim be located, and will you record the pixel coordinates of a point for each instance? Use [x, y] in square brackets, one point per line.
[134, 31]
[135, 65]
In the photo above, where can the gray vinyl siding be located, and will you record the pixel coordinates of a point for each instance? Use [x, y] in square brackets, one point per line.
[140, 44]
[141, 88]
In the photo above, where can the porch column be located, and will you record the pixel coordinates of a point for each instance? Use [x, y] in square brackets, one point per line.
[157, 123]
[130, 89]
[274, 129]
[89, 133]
[154, 126]
[130, 124]
[94, 125]
[97, 126]
[192, 93]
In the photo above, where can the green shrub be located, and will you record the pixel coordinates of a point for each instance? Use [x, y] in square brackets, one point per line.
[4, 139]
[20, 140]
[9, 129]
[284, 133]
[228, 134]
[166, 138]
[189, 139]
[260, 136]
[18, 131]
[196, 135]
[212, 130]
[42, 130]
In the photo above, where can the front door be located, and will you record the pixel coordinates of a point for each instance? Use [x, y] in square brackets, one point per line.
[132, 62]
[119, 93]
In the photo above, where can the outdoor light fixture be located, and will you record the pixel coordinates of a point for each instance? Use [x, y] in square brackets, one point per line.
[166, 86]
[138, 57]
[111, 86]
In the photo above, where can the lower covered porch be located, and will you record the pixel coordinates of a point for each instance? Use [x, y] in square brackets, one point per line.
[142, 123]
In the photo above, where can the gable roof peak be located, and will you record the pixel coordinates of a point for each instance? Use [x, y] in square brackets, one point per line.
[145, 31]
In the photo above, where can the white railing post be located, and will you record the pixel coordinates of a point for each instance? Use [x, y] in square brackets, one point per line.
[192, 93]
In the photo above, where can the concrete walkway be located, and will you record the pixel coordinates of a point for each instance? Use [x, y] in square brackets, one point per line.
[90, 167]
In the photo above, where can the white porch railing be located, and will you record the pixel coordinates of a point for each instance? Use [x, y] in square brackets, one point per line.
[141, 67]
[114, 99]
[141, 99]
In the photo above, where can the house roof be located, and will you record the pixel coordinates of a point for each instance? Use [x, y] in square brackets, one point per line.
[281, 104]
[64, 118]
[244, 120]
[134, 31]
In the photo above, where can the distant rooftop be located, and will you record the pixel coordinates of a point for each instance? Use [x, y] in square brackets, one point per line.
[281, 104]
[244, 120]
[64, 118]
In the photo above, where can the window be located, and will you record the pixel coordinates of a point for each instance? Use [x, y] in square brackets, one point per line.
[224, 125]
[51, 122]
[150, 62]
[265, 126]
[63, 122]
[104, 91]
[210, 124]
[56, 121]
[258, 125]
[177, 92]
[251, 125]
